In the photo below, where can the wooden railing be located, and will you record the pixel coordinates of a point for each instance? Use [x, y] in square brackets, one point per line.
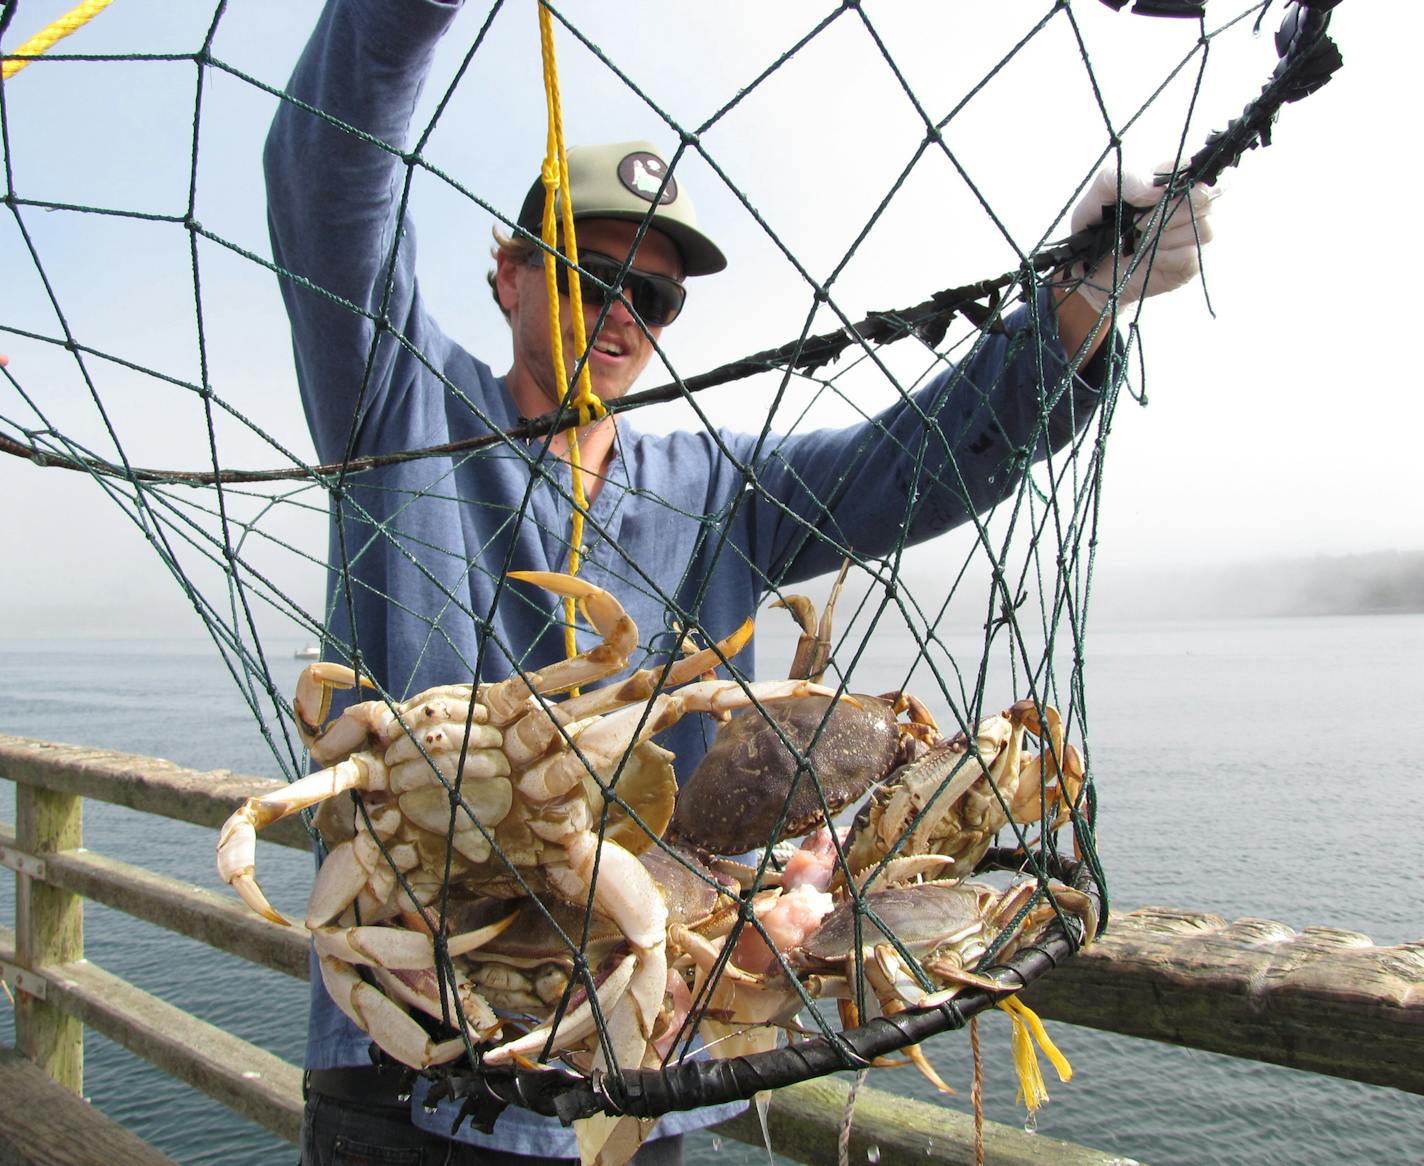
[1323, 1000]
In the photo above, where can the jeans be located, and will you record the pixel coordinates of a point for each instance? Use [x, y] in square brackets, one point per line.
[335, 1133]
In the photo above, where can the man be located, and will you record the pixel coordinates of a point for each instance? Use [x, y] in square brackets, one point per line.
[421, 550]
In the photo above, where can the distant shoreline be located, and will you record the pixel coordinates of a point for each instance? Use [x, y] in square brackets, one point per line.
[1380, 583]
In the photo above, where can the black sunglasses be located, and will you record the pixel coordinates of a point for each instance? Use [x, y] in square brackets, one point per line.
[657, 299]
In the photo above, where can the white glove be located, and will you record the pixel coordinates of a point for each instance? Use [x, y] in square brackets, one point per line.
[1168, 239]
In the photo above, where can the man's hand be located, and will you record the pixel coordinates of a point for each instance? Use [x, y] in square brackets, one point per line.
[1162, 253]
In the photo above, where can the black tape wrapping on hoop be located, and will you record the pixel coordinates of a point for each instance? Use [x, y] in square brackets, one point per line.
[1309, 59]
[1191, 9]
[692, 1084]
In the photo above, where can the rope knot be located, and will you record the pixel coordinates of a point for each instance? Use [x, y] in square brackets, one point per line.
[588, 408]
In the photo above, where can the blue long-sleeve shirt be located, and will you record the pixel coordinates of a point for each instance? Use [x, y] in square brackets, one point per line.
[419, 550]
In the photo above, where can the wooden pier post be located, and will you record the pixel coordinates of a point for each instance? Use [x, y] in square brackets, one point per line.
[49, 930]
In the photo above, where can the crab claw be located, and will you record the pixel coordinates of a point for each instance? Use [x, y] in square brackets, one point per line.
[624, 892]
[598, 606]
[381, 947]
[237, 860]
[311, 705]
[577, 1023]
[237, 841]
[609, 620]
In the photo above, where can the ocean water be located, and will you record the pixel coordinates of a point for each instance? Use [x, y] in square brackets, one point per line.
[1263, 768]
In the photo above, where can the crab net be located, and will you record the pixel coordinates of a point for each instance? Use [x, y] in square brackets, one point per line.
[895, 184]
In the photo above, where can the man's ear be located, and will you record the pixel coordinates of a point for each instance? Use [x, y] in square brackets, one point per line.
[506, 283]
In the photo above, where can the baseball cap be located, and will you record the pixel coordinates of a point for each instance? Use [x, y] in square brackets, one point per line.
[621, 180]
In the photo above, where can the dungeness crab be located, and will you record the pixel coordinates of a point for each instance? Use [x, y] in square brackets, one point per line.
[777, 773]
[910, 936]
[507, 789]
[944, 928]
[957, 797]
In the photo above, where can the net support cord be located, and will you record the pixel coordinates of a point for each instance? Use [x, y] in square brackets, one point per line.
[1308, 59]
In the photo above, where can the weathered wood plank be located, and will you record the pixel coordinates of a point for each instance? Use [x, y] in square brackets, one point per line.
[263, 1088]
[804, 1119]
[49, 928]
[220, 921]
[141, 783]
[46, 1125]
[804, 1122]
[1322, 1000]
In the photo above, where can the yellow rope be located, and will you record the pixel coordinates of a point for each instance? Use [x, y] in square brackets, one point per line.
[1028, 1028]
[587, 407]
[43, 41]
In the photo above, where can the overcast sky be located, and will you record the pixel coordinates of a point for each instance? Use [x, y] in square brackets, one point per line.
[1281, 427]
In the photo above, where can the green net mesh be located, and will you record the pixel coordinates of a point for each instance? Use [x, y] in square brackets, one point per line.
[894, 182]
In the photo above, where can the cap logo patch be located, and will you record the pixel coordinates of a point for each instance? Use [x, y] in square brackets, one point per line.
[643, 174]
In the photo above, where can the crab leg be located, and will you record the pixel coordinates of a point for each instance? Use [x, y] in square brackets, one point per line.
[577, 1025]
[399, 947]
[1060, 762]
[237, 841]
[611, 737]
[373, 946]
[896, 987]
[312, 705]
[385, 1021]
[921, 725]
[647, 682]
[531, 735]
[609, 620]
[813, 649]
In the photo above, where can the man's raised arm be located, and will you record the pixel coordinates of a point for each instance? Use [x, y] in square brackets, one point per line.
[333, 197]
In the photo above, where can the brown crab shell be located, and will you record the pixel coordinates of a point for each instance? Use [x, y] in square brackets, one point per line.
[693, 892]
[923, 916]
[735, 797]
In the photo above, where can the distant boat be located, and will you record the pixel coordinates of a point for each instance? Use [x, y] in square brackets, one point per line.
[307, 652]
